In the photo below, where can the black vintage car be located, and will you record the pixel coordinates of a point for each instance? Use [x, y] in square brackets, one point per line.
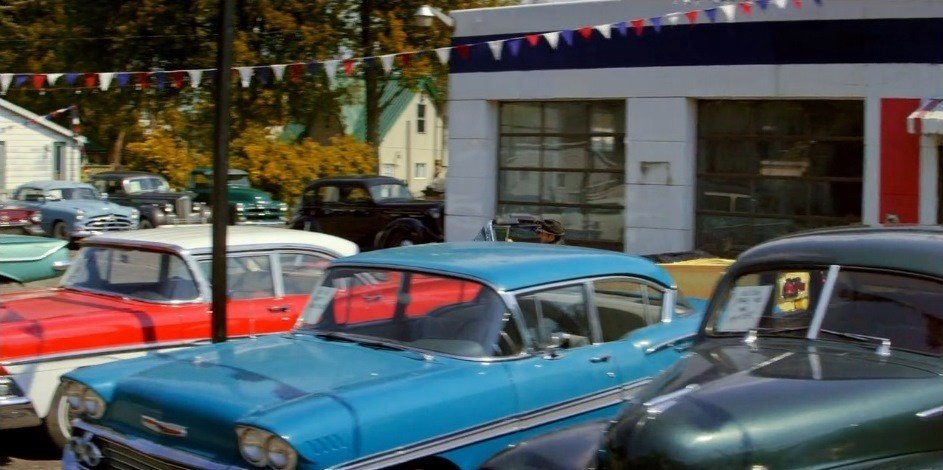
[372, 211]
[818, 350]
[151, 194]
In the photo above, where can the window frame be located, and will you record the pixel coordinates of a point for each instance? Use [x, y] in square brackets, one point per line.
[421, 117]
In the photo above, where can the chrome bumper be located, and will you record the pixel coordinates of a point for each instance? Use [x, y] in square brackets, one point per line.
[86, 444]
[18, 412]
[268, 223]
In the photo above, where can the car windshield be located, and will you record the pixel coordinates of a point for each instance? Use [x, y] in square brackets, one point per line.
[145, 275]
[382, 192]
[72, 194]
[147, 184]
[240, 180]
[423, 311]
[864, 306]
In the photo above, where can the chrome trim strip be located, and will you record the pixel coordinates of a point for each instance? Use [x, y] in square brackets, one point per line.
[437, 445]
[670, 343]
[931, 413]
[101, 351]
[44, 255]
[668, 304]
[822, 306]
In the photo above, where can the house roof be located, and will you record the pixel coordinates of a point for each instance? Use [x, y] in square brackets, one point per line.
[33, 117]
[396, 100]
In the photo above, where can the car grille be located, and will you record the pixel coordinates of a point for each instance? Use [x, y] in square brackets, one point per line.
[256, 213]
[108, 223]
[182, 206]
[121, 457]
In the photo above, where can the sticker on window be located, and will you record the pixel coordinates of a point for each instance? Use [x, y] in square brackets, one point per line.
[746, 306]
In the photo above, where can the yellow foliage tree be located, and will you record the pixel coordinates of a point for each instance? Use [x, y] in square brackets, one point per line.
[160, 152]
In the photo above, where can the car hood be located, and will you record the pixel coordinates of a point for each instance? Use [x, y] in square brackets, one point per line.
[248, 195]
[785, 404]
[207, 390]
[159, 196]
[91, 207]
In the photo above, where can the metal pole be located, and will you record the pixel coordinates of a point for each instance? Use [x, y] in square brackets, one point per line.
[220, 196]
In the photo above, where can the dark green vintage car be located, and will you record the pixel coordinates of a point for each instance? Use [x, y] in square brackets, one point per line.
[819, 350]
[247, 205]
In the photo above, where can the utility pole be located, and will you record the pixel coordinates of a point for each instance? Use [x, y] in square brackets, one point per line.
[220, 196]
[372, 100]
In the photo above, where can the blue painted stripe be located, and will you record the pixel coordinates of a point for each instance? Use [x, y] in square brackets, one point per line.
[912, 40]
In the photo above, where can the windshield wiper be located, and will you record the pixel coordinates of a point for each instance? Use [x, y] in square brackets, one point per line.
[369, 342]
[884, 346]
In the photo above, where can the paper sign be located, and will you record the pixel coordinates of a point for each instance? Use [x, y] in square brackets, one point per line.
[746, 306]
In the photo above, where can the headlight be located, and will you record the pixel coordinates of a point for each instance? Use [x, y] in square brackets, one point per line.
[283, 207]
[135, 213]
[168, 207]
[36, 218]
[261, 448]
[435, 213]
[240, 207]
[252, 445]
[79, 214]
[280, 454]
[84, 400]
[197, 207]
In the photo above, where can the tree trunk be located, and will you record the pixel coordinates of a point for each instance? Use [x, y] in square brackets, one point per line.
[370, 82]
[116, 150]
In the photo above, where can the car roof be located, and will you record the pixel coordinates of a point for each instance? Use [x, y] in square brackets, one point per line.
[916, 249]
[358, 178]
[209, 171]
[55, 184]
[199, 238]
[123, 174]
[511, 266]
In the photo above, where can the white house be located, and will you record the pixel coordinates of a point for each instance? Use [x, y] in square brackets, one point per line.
[34, 148]
[646, 127]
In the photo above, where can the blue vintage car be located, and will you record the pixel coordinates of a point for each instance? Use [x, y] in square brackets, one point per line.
[430, 356]
[74, 210]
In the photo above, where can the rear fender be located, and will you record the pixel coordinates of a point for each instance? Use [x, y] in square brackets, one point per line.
[412, 226]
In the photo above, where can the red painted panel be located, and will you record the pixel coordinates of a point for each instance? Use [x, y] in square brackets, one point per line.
[900, 161]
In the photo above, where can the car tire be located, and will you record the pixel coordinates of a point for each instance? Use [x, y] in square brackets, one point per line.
[145, 224]
[402, 238]
[59, 420]
[59, 231]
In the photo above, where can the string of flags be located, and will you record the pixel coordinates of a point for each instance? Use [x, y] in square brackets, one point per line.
[73, 111]
[274, 73]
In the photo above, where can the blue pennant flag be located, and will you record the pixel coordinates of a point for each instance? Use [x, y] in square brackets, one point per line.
[123, 79]
[70, 78]
[161, 79]
[818, 2]
[20, 80]
[514, 45]
[763, 4]
[368, 62]
[567, 36]
[312, 67]
[623, 28]
[656, 23]
[264, 74]
[711, 14]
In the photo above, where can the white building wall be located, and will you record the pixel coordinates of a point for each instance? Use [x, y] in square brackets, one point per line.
[30, 150]
[661, 108]
[404, 147]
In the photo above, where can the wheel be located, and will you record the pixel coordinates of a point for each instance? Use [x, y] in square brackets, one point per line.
[59, 420]
[145, 224]
[59, 231]
[402, 238]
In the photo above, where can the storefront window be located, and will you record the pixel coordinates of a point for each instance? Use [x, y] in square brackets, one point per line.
[768, 168]
[566, 160]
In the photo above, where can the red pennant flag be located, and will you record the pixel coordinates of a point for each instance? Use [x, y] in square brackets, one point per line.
[38, 81]
[798, 4]
[533, 39]
[463, 51]
[90, 80]
[294, 72]
[639, 26]
[586, 32]
[142, 79]
[405, 59]
[747, 7]
[692, 16]
[349, 67]
[176, 79]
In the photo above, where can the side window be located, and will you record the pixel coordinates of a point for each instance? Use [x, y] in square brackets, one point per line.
[357, 195]
[250, 277]
[624, 305]
[100, 185]
[300, 272]
[29, 194]
[557, 316]
[328, 194]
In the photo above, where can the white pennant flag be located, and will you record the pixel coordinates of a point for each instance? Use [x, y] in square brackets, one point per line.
[5, 80]
[605, 30]
[673, 18]
[279, 71]
[52, 77]
[330, 69]
[553, 38]
[104, 80]
[245, 75]
[496, 48]
[730, 11]
[387, 62]
[195, 77]
[443, 53]
[781, 3]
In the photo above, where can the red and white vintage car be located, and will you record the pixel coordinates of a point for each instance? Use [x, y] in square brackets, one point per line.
[127, 294]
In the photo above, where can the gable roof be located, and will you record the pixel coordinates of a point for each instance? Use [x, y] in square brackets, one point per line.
[396, 100]
[33, 117]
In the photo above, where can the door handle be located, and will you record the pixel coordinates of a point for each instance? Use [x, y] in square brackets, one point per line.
[599, 359]
[279, 308]
[371, 298]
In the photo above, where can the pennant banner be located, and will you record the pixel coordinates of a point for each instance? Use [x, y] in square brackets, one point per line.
[104, 80]
[195, 77]
[279, 71]
[605, 30]
[553, 38]
[496, 47]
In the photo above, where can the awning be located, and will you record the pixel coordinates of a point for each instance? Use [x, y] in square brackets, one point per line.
[927, 119]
